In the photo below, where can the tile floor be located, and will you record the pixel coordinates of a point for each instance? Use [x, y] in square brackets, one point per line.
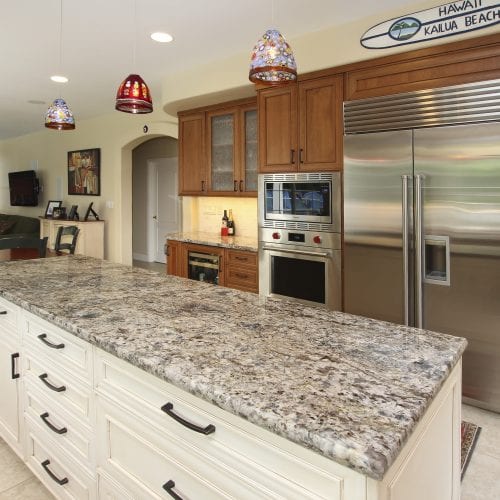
[152, 266]
[481, 481]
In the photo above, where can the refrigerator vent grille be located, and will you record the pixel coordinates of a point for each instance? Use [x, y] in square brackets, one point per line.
[304, 226]
[297, 177]
[457, 105]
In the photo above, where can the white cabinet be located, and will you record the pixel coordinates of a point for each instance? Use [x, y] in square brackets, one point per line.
[94, 426]
[10, 366]
[236, 460]
[90, 240]
[58, 407]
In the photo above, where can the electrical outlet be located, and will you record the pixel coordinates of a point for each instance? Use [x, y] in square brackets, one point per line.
[109, 204]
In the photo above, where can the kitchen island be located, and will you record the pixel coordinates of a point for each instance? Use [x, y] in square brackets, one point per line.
[345, 394]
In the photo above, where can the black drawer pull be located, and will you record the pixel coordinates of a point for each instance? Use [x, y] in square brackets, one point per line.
[52, 427]
[241, 185]
[235, 185]
[168, 409]
[43, 338]
[43, 378]
[60, 482]
[13, 358]
[3, 312]
[169, 488]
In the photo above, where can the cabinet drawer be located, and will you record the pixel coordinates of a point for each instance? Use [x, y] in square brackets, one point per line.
[242, 278]
[59, 348]
[258, 457]
[8, 314]
[59, 425]
[241, 258]
[154, 460]
[53, 466]
[66, 390]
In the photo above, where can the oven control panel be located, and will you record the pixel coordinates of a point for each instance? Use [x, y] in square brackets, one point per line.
[315, 239]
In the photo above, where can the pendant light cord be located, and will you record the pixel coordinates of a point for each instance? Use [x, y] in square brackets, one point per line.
[135, 36]
[60, 43]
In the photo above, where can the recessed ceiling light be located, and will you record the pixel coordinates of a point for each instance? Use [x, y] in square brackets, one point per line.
[59, 79]
[161, 37]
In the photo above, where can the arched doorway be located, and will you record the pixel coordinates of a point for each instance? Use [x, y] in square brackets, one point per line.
[155, 203]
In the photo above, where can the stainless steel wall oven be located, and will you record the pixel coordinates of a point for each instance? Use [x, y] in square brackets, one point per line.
[299, 237]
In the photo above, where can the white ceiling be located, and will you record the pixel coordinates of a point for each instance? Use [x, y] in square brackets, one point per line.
[98, 45]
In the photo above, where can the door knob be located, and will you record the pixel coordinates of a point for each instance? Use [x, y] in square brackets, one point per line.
[155, 217]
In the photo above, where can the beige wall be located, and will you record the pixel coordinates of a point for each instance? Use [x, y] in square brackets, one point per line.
[118, 133]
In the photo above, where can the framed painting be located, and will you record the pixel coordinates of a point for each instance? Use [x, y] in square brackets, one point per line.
[84, 172]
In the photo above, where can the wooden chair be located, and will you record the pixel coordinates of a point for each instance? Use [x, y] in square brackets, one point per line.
[66, 239]
[39, 244]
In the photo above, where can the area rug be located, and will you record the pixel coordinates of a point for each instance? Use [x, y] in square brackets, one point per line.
[470, 435]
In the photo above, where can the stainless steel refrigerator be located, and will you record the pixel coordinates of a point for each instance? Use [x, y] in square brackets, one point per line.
[422, 225]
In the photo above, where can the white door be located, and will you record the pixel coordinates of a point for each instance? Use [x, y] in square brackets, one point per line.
[163, 205]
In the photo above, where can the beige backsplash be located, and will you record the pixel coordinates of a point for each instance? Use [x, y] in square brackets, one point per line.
[204, 213]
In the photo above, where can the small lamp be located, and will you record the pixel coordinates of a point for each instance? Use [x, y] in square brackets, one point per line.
[272, 60]
[133, 96]
[59, 116]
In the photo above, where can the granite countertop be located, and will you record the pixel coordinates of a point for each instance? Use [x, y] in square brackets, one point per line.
[347, 387]
[213, 239]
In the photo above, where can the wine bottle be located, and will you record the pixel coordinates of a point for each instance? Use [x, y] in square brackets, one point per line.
[223, 228]
[230, 224]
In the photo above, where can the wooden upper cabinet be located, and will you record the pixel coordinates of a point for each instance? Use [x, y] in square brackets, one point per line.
[320, 124]
[218, 152]
[300, 126]
[192, 164]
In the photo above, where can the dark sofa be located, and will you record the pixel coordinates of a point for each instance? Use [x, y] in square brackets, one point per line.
[18, 225]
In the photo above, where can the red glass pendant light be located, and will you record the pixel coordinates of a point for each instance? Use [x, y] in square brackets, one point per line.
[133, 96]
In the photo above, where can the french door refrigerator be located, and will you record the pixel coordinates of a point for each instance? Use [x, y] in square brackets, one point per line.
[422, 231]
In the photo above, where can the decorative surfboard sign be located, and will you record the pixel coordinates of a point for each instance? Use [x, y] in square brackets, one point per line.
[445, 20]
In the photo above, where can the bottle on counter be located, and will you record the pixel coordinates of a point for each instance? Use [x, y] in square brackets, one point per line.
[223, 228]
[230, 224]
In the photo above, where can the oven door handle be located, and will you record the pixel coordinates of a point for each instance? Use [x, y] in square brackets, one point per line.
[299, 252]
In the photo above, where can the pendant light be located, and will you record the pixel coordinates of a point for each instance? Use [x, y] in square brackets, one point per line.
[272, 61]
[59, 116]
[133, 94]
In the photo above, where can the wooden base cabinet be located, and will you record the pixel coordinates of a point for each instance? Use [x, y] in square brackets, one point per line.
[237, 268]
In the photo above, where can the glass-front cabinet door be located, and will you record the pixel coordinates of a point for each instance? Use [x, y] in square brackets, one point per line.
[232, 149]
[221, 135]
[250, 149]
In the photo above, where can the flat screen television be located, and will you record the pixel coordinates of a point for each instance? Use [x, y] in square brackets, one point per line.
[23, 187]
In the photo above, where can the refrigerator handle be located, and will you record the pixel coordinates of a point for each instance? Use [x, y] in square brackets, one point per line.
[405, 222]
[419, 225]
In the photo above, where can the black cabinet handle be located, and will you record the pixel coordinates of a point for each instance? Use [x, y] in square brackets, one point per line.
[235, 186]
[169, 488]
[292, 156]
[52, 427]
[203, 185]
[43, 338]
[13, 358]
[241, 186]
[60, 482]
[300, 155]
[3, 312]
[168, 409]
[43, 378]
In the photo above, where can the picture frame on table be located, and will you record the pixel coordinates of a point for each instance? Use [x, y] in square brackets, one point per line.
[84, 172]
[49, 211]
[91, 211]
[73, 213]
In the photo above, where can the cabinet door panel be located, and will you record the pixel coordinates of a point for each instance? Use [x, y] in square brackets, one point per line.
[278, 129]
[9, 413]
[320, 103]
[251, 153]
[192, 154]
[221, 150]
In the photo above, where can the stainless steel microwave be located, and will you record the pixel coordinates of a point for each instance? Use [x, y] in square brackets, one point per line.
[307, 201]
